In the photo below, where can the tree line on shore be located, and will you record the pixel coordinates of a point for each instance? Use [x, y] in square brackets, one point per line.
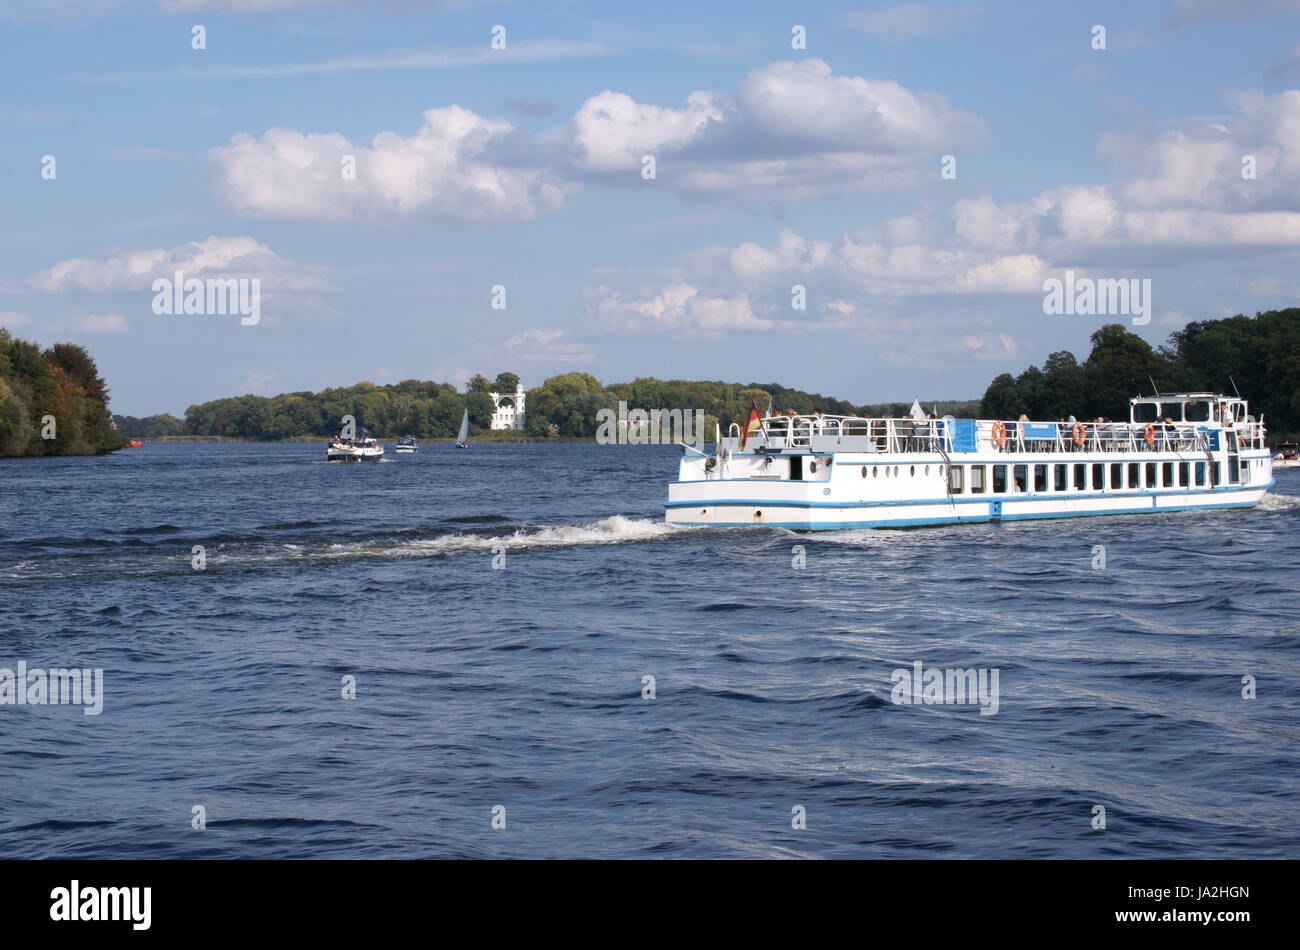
[52, 401]
[1261, 354]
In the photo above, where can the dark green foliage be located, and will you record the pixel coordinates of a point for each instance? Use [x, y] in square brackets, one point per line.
[1261, 354]
[61, 382]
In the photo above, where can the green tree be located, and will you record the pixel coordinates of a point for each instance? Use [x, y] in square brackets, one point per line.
[1118, 368]
[505, 383]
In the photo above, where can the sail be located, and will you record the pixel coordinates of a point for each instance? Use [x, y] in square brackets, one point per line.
[464, 429]
[917, 412]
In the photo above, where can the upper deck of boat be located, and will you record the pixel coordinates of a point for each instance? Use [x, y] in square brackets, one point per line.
[1183, 423]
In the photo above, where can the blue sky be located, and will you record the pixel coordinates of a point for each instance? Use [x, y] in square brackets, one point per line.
[522, 167]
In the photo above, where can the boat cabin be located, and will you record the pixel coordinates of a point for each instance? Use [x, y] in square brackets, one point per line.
[1187, 407]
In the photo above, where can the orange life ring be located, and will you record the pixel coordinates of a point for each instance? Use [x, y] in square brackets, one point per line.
[999, 432]
[1078, 433]
[1150, 436]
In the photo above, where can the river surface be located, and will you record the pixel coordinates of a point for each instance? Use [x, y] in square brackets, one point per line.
[505, 711]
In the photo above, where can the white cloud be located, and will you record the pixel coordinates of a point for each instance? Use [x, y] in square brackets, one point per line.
[11, 320]
[453, 168]
[522, 51]
[1190, 191]
[612, 131]
[990, 346]
[92, 323]
[678, 308]
[547, 346]
[124, 271]
[791, 130]
[879, 266]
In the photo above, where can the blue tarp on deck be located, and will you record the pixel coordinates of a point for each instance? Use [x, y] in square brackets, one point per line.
[1038, 431]
[963, 435]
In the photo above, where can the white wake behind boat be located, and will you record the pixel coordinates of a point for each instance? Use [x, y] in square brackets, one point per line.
[815, 472]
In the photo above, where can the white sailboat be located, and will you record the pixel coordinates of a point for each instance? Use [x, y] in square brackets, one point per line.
[462, 439]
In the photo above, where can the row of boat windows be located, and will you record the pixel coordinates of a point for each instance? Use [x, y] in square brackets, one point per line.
[1001, 479]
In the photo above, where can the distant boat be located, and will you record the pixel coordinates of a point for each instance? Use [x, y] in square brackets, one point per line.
[462, 440]
[1288, 455]
[135, 445]
[406, 445]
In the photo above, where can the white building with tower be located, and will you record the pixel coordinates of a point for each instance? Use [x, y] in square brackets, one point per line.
[509, 412]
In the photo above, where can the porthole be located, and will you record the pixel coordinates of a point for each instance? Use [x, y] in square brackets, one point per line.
[927, 470]
[895, 471]
[912, 472]
[864, 471]
[812, 466]
[875, 471]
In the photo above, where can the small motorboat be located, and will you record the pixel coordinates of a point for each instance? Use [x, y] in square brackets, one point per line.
[358, 448]
[406, 445]
[134, 444]
[1286, 455]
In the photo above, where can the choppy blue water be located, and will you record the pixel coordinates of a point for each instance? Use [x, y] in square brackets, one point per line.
[522, 687]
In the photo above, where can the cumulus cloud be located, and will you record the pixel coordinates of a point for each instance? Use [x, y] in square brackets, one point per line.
[789, 131]
[1189, 192]
[122, 271]
[678, 308]
[458, 166]
[879, 266]
[11, 320]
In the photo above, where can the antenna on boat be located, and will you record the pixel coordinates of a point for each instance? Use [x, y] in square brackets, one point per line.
[1154, 388]
[1234, 387]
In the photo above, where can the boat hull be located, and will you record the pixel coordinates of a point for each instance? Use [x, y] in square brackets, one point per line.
[915, 494]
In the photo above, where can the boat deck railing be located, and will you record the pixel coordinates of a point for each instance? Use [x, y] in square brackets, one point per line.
[893, 436]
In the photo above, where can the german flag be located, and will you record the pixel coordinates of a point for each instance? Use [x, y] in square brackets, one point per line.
[753, 425]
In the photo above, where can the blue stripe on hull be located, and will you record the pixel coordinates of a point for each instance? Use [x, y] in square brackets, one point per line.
[984, 499]
[954, 519]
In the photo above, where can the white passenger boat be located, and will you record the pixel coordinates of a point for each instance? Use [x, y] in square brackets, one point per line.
[1178, 452]
[406, 445]
[1287, 455]
[359, 449]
